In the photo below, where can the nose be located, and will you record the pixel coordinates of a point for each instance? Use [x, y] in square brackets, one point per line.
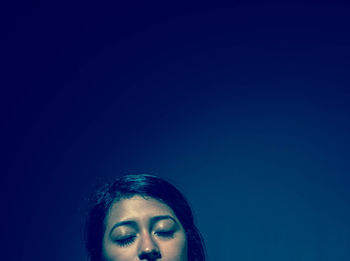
[149, 249]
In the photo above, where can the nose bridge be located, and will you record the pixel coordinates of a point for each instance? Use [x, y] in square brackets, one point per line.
[147, 242]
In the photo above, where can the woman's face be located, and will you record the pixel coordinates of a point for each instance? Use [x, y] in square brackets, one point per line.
[143, 229]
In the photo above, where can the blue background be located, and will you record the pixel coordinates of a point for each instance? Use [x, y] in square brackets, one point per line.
[244, 107]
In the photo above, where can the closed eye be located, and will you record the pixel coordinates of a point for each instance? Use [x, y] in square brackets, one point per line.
[165, 234]
[124, 242]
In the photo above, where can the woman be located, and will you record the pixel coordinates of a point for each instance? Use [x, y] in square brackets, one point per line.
[142, 217]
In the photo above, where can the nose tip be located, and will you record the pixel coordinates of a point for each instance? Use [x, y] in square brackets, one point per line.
[148, 249]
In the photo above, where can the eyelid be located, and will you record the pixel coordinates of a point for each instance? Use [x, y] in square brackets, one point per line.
[166, 229]
[126, 241]
[122, 231]
[123, 238]
[167, 234]
[128, 224]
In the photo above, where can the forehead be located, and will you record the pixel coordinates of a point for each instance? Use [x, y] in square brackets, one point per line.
[137, 208]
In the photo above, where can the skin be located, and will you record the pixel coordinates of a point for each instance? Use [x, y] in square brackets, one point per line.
[141, 228]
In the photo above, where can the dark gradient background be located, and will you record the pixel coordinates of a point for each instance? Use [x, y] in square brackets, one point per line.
[244, 107]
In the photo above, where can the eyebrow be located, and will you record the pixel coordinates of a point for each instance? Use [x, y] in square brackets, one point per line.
[158, 218]
[133, 223]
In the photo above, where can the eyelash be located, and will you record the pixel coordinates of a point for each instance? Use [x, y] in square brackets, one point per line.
[165, 234]
[129, 240]
[125, 241]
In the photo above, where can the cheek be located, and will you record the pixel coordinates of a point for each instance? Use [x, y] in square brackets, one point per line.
[174, 250]
[112, 252]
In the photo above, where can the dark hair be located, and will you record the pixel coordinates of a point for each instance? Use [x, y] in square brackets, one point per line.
[144, 185]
